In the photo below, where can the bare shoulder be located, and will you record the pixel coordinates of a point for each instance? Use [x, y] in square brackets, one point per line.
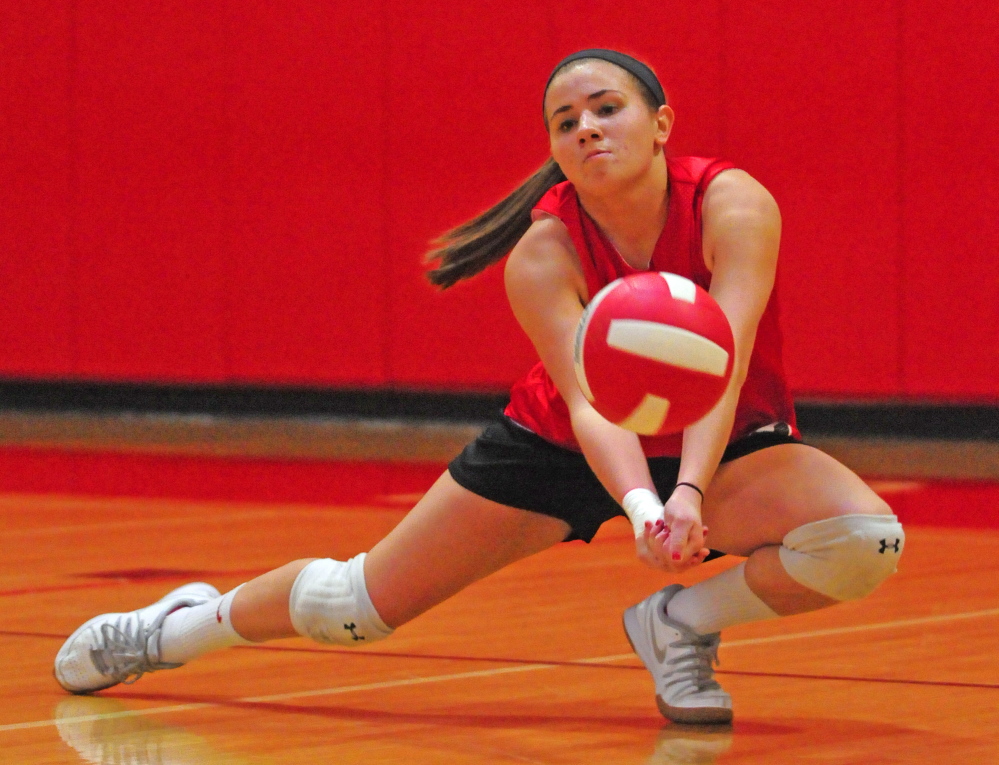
[544, 260]
[740, 220]
[736, 191]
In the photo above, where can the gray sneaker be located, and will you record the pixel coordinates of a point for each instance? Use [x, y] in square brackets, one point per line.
[120, 648]
[680, 660]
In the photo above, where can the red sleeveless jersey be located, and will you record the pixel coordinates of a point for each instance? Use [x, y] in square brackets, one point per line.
[765, 399]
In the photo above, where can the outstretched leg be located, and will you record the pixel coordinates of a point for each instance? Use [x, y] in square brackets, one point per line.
[451, 539]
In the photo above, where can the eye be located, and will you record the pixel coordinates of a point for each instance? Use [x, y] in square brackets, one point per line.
[566, 125]
[607, 109]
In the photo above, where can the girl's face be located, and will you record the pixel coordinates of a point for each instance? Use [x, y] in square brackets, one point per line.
[602, 132]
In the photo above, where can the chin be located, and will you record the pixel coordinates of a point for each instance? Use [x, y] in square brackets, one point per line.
[607, 180]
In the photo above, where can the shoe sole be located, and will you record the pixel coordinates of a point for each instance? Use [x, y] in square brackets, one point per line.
[688, 715]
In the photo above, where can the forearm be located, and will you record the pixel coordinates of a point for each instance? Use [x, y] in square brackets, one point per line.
[614, 454]
[704, 442]
[616, 457]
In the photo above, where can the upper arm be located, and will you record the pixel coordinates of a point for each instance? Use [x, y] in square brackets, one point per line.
[547, 290]
[741, 238]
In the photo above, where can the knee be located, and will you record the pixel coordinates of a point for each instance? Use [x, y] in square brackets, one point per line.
[845, 557]
[867, 503]
[329, 603]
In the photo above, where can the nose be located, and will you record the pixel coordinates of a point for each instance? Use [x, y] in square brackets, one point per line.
[588, 128]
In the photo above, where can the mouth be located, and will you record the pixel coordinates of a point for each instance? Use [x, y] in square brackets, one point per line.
[595, 153]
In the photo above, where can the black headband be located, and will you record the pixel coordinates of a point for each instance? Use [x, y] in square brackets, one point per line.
[632, 65]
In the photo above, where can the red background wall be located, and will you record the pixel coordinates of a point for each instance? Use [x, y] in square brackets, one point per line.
[241, 192]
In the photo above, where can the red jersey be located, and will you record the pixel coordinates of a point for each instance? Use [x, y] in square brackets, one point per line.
[765, 399]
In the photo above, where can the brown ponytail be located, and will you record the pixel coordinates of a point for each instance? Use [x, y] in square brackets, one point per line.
[478, 243]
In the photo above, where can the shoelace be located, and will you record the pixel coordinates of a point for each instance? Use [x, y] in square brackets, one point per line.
[695, 665]
[122, 654]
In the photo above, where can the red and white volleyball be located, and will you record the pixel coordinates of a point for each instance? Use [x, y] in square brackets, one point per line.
[653, 352]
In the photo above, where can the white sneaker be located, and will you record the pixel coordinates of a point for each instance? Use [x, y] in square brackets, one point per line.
[120, 648]
[680, 660]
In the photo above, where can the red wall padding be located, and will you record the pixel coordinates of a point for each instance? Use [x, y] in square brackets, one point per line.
[306, 263]
[242, 192]
[149, 210]
[458, 137]
[37, 141]
[950, 183]
[810, 110]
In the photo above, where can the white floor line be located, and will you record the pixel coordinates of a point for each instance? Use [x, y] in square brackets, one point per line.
[864, 627]
[490, 672]
[105, 716]
[399, 683]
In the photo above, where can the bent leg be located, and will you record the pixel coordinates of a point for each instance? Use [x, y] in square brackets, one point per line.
[788, 508]
[754, 502]
[449, 540]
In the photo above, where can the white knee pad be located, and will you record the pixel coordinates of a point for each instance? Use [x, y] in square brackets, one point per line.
[329, 603]
[846, 557]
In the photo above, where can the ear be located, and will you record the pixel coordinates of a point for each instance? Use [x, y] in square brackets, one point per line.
[664, 124]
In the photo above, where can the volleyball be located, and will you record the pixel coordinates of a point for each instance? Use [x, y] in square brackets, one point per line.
[653, 352]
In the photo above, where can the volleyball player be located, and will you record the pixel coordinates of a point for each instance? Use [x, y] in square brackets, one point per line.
[607, 203]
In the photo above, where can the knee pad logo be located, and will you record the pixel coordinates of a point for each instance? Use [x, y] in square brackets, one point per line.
[353, 633]
[893, 547]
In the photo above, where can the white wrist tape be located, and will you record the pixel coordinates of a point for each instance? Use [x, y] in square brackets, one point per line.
[329, 603]
[641, 505]
[844, 557]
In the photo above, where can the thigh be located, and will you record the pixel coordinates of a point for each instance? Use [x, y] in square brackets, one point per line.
[757, 499]
[451, 539]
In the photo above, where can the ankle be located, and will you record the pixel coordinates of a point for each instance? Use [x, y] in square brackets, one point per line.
[190, 632]
[719, 602]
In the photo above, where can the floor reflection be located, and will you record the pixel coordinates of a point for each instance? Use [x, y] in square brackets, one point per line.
[107, 732]
[691, 744]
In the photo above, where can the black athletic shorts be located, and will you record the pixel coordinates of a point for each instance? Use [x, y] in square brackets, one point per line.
[510, 465]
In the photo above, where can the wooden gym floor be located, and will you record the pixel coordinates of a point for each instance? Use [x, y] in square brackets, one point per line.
[528, 666]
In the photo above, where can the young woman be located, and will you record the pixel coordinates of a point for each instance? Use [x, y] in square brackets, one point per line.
[608, 203]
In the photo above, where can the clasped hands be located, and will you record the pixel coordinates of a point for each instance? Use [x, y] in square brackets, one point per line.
[669, 537]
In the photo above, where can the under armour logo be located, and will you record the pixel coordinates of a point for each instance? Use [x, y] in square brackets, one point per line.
[352, 627]
[885, 546]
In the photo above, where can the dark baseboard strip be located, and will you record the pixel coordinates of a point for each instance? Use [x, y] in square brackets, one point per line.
[249, 401]
[874, 419]
[914, 420]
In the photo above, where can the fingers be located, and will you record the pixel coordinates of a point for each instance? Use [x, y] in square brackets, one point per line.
[685, 541]
[694, 560]
[681, 544]
[672, 548]
[650, 545]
